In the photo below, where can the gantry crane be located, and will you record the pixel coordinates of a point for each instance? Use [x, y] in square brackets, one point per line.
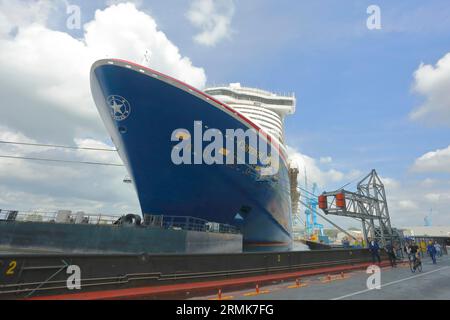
[311, 217]
[367, 204]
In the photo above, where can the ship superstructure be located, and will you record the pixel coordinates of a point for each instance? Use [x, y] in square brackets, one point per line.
[267, 109]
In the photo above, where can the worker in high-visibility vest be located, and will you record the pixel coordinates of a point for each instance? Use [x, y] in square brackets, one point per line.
[423, 247]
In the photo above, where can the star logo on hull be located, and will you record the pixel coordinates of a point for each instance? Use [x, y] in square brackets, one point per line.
[119, 107]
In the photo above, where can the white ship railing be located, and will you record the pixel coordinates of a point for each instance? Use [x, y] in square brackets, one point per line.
[250, 89]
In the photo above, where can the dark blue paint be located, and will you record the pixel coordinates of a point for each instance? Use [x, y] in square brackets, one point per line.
[212, 192]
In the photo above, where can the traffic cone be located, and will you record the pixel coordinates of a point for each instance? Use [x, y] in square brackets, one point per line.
[219, 294]
[257, 289]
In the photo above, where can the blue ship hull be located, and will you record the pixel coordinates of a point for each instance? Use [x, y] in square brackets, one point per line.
[156, 105]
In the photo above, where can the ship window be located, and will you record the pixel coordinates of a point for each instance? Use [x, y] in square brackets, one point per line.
[245, 209]
[122, 129]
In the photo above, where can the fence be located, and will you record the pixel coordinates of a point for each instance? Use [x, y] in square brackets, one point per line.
[161, 221]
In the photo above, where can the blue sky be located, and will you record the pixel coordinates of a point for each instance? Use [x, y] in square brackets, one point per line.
[354, 86]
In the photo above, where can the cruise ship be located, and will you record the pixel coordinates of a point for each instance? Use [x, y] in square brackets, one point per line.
[143, 108]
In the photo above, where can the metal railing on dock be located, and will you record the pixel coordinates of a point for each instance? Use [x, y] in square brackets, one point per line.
[188, 223]
[61, 216]
[80, 217]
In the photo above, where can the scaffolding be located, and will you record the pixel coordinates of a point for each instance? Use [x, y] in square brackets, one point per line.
[297, 222]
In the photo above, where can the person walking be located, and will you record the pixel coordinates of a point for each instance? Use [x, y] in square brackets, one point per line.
[391, 254]
[438, 249]
[374, 249]
[407, 250]
[432, 251]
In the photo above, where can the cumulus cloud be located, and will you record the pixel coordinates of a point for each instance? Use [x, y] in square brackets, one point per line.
[44, 85]
[14, 14]
[407, 204]
[45, 185]
[390, 183]
[433, 161]
[411, 202]
[408, 201]
[324, 178]
[138, 3]
[433, 196]
[326, 160]
[433, 83]
[45, 73]
[124, 31]
[213, 18]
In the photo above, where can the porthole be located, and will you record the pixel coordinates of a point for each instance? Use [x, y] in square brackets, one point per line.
[122, 129]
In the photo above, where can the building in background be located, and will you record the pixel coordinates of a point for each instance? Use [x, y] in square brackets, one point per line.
[427, 231]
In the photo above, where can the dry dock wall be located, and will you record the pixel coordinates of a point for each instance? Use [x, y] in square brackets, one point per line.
[82, 238]
[46, 274]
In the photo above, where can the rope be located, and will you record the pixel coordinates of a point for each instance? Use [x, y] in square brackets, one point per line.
[54, 146]
[65, 161]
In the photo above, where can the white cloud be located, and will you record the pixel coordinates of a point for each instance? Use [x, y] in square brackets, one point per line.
[138, 3]
[433, 82]
[326, 160]
[389, 183]
[52, 185]
[433, 161]
[45, 73]
[123, 31]
[213, 18]
[15, 14]
[407, 204]
[324, 178]
[432, 196]
[44, 85]
[428, 182]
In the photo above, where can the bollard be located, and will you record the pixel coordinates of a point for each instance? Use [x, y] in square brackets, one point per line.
[298, 284]
[256, 292]
[221, 297]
